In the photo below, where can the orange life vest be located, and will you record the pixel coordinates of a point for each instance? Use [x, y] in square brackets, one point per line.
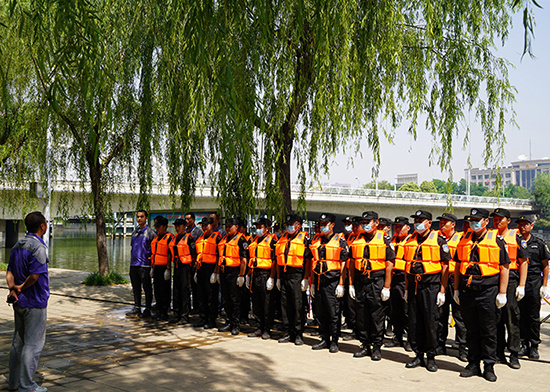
[180, 251]
[377, 253]
[351, 238]
[207, 248]
[399, 263]
[452, 243]
[159, 249]
[512, 245]
[229, 251]
[297, 248]
[260, 253]
[489, 254]
[431, 256]
[332, 261]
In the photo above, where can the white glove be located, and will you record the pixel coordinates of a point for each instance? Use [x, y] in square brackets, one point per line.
[240, 281]
[456, 297]
[213, 278]
[520, 292]
[351, 291]
[151, 273]
[501, 300]
[406, 295]
[304, 284]
[278, 284]
[270, 283]
[195, 278]
[440, 299]
[247, 281]
[218, 278]
[385, 294]
[312, 291]
[167, 274]
[339, 291]
[544, 292]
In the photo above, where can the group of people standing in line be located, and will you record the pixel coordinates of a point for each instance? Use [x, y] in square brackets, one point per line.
[492, 281]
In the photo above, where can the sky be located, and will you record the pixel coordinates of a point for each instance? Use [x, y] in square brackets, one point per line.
[531, 78]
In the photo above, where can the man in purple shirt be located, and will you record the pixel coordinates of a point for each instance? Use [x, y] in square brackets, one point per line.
[140, 265]
[27, 279]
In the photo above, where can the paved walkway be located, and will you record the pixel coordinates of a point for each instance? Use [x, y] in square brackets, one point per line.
[92, 346]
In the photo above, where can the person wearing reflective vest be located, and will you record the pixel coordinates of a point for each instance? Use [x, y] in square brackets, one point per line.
[510, 315]
[206, 274]
[447, 226]
[262, 268]
[536, 288]
[398, 315]
[293, 269]
[370, 274]
[233, 251]
[348, 228]
[329, 256]
[159, 264]
[427, 270]
[246, 298]
[182, 254]
[481, 282]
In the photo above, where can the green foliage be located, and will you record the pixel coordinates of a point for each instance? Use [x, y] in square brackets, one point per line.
[517, 192]
[410, 187]
[3, 267]
[96, 279]
[541, 192]
[428, 187]
[382, 185]
[477, 189]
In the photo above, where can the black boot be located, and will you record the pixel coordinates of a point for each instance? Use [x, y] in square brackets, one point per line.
[364, 352]
[376, 355]
[489, 373]
[514, 361]
[430, 364]
[416, 362]
[472, 369]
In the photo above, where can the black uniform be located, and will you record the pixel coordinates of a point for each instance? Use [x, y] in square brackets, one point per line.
[399, 309]
[478, 305]
[327, 305]
[161, 287]
[510, 316]
[208, 292]
[182, 281]
[422, 302]
[530, 304]
[368, 295]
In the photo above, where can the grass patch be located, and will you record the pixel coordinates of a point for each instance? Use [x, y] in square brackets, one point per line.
[3, 267]
[95, 279]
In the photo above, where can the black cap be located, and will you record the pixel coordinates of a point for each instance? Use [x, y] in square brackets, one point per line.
[160, 221]
[356, 220]
[370, 215]
[327, 217]
[263, 221]
[385, 221]
[232, 221]
[501, 212]
[291, 218]
[347, 219]
[448, 216]
[478, 213]
[242, 222]
[526, 218]
[401, 220]
[207, 221]
[422, 214]
[179, 222]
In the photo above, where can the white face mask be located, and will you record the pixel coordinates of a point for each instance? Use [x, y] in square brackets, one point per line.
[290, 229]
[476, 226]
[420, 227]
[347, 229]
[368, 228]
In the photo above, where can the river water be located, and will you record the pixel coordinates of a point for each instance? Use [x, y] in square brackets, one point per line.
[81, 254]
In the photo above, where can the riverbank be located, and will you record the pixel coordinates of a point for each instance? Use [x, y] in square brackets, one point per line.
[92, 346]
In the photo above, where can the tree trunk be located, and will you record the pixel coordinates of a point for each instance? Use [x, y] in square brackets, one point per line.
[283, 164]
[101, 237]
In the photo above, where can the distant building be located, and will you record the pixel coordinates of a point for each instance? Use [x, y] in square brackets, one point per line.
[521, 173]
[404, 178]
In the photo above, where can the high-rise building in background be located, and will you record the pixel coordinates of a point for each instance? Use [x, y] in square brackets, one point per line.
[521, 173]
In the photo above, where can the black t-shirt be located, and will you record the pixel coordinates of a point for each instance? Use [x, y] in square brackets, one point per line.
[444, 255]
[537, 251]
[474, 269]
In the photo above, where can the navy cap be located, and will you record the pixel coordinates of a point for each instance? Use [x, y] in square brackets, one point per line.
[526, 218]
[356, 220]
[370, 215]
[503, 212]
[448, 216]
[347, 219]
[385, 221]
[291, 218]
[422, 214]
[327, 217]
[478, 213]
[207, 221]
[401, 220]
[233, 221]
[263, 221]
[179, 222]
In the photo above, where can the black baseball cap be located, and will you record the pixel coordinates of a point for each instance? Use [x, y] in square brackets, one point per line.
[160, 221]
[526, 218]
[478, 213]
[385, 221]
[233, 221]
[401, 220]
[347, 219]
[327, 217]
[356, 220]
[179, 222]
[263, 221]
[370, 215]
[207, 221]
[448, 216]
[291, 218]
[503, 212]
[422, 214]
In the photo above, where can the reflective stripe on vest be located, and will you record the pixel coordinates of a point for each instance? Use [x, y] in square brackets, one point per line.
[512, 244]
[260, 253]
[159, 249]
[489, 254]
[229, 251]
[399, 263]
[377, 253]
[180, 251]
[207, 248]
[452, 243]
[332, 261]
[431, 256]
[297, 248]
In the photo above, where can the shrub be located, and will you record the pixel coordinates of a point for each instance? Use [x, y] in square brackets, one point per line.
[95, 279]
